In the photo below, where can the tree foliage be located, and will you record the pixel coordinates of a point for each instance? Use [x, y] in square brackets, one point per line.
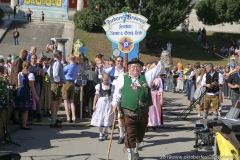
[165, 15]
[98, 10]
[212, 12]
[162, 14]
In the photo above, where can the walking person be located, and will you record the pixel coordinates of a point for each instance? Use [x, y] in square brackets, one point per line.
[13, 79]
[70, 71]
[199, 91]
[57, 80]
[42, 17]
[38, 72]
[29, 15]
[14, 10]
[155, 113]
[233, 82]
[102, 107]
[115, 72]
[213, 82]
[199, 35]
[128, 88]
[25, 94]
[169, 46]
[203, 34]
[15, 36]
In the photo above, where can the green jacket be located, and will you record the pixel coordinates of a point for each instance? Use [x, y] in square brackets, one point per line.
[136, 99]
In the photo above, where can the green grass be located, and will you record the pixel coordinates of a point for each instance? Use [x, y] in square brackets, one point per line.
[185, 46]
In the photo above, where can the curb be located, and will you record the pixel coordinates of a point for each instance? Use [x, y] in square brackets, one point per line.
[4, 28]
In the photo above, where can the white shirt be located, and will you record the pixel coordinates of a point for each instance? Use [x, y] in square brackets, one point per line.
[56, 66]
[116, 73]
[150, 76]
[8, 68]
[220, 81]
[30, 78]
[191, 75]
[53, 39]
[97, 88]
[169, 47]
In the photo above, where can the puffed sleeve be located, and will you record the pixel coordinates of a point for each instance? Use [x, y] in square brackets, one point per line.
[160, 85]
[31, 77]
[97, 87]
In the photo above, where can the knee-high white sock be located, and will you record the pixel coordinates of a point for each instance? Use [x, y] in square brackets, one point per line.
[136, 149]
[100, 131]
[130, 153]
[106, 130]
[53, 118]
[121, 129]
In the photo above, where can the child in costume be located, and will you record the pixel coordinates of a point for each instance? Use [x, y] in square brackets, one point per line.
[102, 107]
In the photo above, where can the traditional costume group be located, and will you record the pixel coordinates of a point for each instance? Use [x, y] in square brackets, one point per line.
[134, 95]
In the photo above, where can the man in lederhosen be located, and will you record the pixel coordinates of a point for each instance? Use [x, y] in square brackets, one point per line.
[213, 81]
[132, 93]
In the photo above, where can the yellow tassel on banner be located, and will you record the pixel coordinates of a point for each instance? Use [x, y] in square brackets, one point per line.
[27, 1]
[43, 1]
[54, 2]
[33, 1]
[48, 3]
[38, 2]
[59, 3]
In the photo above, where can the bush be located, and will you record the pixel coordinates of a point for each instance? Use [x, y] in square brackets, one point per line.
[86, 20]
[1, 14]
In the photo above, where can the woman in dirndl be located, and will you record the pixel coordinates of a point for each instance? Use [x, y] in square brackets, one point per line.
[46, 95]
[198, 94]
[26, 91]
[155, 114]
[192, 77]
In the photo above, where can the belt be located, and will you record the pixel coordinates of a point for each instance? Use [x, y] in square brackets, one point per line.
[70, 81]
[134, 113]
[212, 95]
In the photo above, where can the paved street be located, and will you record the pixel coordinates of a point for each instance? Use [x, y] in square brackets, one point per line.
[80, 141]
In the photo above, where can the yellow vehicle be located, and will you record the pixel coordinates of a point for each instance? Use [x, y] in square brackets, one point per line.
[226, 149]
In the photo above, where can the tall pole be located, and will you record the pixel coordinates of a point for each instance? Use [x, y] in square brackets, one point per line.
[140, 7]
[139, 12]
[126, 62]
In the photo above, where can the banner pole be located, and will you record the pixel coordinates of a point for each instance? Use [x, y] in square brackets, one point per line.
[126, 62]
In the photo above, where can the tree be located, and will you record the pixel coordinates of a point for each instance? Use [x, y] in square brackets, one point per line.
[98, 10]
[162, 15]
[212, 12]
[166, 15]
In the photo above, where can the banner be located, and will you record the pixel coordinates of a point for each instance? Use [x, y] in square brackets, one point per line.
[45, 3]
[131, 55]
[126, 30]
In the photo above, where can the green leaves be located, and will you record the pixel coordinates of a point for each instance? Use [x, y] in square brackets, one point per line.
[212, 12]
[165, 15]
[93, 17]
